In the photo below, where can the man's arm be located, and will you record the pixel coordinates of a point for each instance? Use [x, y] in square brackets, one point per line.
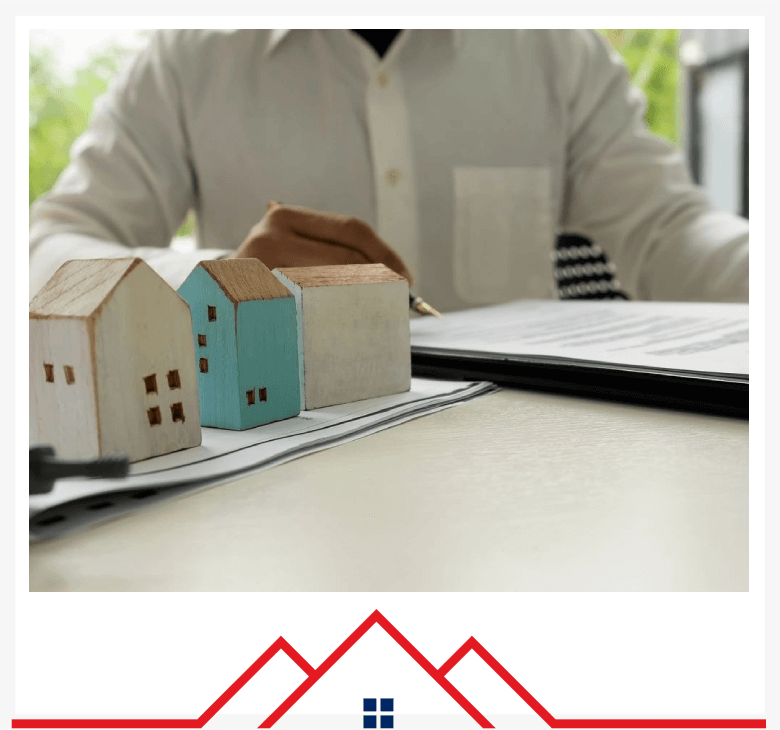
[130, 182]
[631, 192]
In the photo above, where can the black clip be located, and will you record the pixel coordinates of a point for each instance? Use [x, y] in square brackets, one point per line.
[46, 468]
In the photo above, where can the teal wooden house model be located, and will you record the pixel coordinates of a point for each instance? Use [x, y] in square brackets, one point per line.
[246, 344]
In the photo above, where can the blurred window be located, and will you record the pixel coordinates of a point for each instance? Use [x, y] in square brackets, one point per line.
[720, 106]
[716, 65]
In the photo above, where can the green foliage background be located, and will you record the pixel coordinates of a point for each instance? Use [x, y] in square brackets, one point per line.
[60, 109]
[651, 58]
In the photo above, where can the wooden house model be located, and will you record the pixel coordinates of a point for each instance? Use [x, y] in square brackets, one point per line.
[111, 363]
[353, 328]
[246, 343]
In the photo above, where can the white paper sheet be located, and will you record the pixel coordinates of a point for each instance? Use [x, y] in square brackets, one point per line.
[689, 337]
[226, 455]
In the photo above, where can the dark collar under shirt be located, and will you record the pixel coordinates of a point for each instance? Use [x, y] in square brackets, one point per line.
[380, 40]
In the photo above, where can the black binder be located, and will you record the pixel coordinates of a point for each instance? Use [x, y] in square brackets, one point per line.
[711, 395]
[689, 356]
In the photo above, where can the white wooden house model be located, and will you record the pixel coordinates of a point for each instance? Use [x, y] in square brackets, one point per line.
[353, 330]
[112, 363]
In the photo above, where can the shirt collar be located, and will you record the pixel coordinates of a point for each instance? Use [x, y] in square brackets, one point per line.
[277, 35]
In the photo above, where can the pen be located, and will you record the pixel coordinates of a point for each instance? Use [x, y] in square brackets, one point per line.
[419, 305]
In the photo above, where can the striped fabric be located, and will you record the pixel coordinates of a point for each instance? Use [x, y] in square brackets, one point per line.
[583, 271]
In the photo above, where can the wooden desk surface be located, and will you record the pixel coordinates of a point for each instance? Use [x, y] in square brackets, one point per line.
[514, 491]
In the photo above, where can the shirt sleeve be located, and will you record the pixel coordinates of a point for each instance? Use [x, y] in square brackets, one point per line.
[130, 181]
[631, 193]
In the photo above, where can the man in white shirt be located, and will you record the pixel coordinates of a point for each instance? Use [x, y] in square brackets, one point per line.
[466, 151]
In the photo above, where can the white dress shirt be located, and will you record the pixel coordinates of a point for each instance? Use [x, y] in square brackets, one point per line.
[466, 150]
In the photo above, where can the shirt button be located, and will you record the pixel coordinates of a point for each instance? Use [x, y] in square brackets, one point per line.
[382, 79]
[393, 175]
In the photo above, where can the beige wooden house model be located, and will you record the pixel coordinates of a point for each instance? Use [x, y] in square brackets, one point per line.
[112, 363]
[353, 330]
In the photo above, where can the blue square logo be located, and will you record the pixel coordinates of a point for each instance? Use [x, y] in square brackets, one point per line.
[386, 721]
[386, 704]
[369, 705]
[369, 720]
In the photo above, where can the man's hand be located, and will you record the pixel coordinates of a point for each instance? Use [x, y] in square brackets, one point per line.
[292, 236]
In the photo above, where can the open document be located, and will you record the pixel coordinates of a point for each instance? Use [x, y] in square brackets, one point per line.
[225, 455]
[686, 354]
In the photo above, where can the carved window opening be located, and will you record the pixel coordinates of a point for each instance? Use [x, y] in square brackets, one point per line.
[154, 415]
[201, 340]
[177, 412]
[150, 382]
[70, 375]
[250, 397]
[49, 370]
[212, 313]
[204, 365]
[174, 381]
[262, 394]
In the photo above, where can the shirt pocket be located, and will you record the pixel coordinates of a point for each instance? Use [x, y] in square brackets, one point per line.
[503, 233]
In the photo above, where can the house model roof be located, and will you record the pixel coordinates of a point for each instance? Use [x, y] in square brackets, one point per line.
[245, 280]
[79, 287]
[340, 275]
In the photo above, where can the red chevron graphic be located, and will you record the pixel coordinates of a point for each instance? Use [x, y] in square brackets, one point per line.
[439, 675]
